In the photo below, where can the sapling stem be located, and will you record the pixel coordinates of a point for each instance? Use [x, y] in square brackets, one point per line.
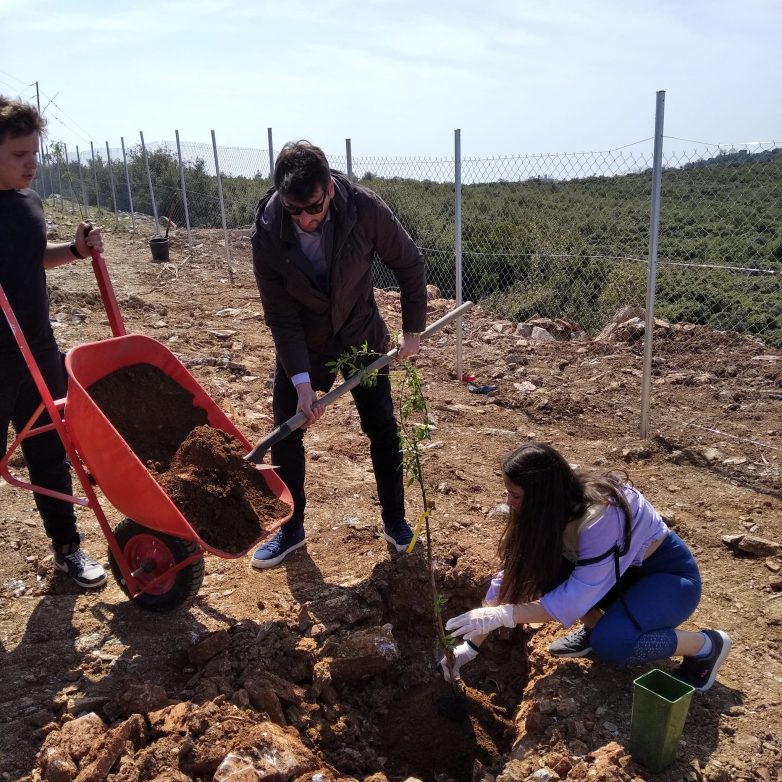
[414, 428]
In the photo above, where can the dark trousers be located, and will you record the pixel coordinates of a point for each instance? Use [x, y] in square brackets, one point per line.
[45, 454]
[376, 412]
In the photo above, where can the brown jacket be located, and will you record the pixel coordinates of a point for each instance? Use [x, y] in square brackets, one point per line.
[306, 318]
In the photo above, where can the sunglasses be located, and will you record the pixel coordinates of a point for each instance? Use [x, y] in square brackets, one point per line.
[312, 209]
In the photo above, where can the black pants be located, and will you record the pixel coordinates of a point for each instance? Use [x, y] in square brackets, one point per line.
[45, 454]
[376, 412]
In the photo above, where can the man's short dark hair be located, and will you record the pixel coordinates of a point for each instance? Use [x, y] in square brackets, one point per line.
[299, 169]
[19, 119]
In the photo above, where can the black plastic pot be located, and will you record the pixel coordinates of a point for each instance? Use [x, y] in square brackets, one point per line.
[159, 248]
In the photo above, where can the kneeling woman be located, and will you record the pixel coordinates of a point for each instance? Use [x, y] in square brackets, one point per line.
[586, 546]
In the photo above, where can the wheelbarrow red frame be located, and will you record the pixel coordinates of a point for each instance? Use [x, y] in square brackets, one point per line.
[99, 455]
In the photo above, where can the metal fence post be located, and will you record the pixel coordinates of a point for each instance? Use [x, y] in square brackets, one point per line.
[184, 192]
[59, 183]
[457, 243]
[271, 153]
[69, 176]
[43, 167]
[349, 157]
[95, 177]
[81, 180]
[222, 211]
[651, 277]
[149, 181]
[127, 179]
[111, 180]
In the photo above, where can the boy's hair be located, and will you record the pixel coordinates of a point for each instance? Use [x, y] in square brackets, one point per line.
[299, 169]
[19, 119]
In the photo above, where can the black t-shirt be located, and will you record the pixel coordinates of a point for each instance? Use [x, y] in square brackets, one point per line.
[22, 275]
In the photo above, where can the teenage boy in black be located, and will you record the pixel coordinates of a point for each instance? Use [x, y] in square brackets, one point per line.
[25, 255]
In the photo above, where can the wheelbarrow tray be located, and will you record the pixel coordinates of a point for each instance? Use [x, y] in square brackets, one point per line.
[123, 478]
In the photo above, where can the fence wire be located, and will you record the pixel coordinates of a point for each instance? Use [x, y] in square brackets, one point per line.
[556, 236]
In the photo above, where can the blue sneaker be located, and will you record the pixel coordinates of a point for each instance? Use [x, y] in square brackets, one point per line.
[278, 547]
[398, 535]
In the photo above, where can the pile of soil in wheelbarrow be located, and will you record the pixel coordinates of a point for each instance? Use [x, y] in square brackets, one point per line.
[224, 498]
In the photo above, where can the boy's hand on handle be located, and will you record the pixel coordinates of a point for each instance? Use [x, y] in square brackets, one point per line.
[481, 621]
[462, 654]
[87, 239]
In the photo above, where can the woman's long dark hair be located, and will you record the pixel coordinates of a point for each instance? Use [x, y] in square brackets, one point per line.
[554, 495]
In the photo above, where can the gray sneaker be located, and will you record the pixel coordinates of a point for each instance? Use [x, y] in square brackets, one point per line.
[575, 644]
[84, 570]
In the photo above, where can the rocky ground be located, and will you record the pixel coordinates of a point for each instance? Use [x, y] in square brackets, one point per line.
[324, 669]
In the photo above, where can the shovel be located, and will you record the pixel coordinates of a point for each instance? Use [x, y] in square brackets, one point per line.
[258, 453]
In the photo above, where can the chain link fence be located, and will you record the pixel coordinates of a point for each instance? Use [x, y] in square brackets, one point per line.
[559, 236]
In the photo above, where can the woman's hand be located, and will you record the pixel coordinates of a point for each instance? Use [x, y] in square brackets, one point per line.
[462, 654]
[481, 621]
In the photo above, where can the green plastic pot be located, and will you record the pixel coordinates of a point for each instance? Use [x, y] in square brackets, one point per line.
[660, 706]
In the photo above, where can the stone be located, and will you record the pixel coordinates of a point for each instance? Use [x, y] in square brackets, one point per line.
[364, 653]
[759, 547]
[141, 697]
[343, 608]
[58, 766]
[264, 698]
[80, 735]
[732, 541]
[544, 774]
[209, 647]
[286, 691]
[110, 747]
[542, 335]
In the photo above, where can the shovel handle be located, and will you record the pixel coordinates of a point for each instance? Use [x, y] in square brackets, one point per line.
[256, 455]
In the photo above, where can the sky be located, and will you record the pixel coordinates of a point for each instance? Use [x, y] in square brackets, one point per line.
[517, 77]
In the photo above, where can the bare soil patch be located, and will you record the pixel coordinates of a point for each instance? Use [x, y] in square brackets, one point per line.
[327, 663]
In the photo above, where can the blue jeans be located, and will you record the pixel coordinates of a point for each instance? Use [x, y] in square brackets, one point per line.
[661, 593]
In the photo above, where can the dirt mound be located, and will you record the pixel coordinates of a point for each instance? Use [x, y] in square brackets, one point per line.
[151, 411]
[226, 499]
[348, 688]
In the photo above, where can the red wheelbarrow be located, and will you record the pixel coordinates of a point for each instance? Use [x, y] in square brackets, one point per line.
[155, 554]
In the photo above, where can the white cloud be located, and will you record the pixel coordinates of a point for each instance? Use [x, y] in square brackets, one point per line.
[515, 76]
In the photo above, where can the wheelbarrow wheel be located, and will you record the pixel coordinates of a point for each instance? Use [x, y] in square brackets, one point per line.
[149, 554]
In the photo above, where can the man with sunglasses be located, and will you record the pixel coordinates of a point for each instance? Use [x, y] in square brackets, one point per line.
[315, 237]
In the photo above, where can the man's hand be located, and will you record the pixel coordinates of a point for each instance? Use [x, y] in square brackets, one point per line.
[462, 654]
[308, 403]
[481, 621]
[409, 344]
[88, 239]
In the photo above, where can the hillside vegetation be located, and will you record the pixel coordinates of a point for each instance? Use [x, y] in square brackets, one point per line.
[573, 248]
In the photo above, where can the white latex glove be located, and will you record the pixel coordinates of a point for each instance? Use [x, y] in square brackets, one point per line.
[462, 654]
[481, 621]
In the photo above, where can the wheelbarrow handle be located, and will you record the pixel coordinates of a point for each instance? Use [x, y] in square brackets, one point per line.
[107, 294]
[257, 454]
[106, 290]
